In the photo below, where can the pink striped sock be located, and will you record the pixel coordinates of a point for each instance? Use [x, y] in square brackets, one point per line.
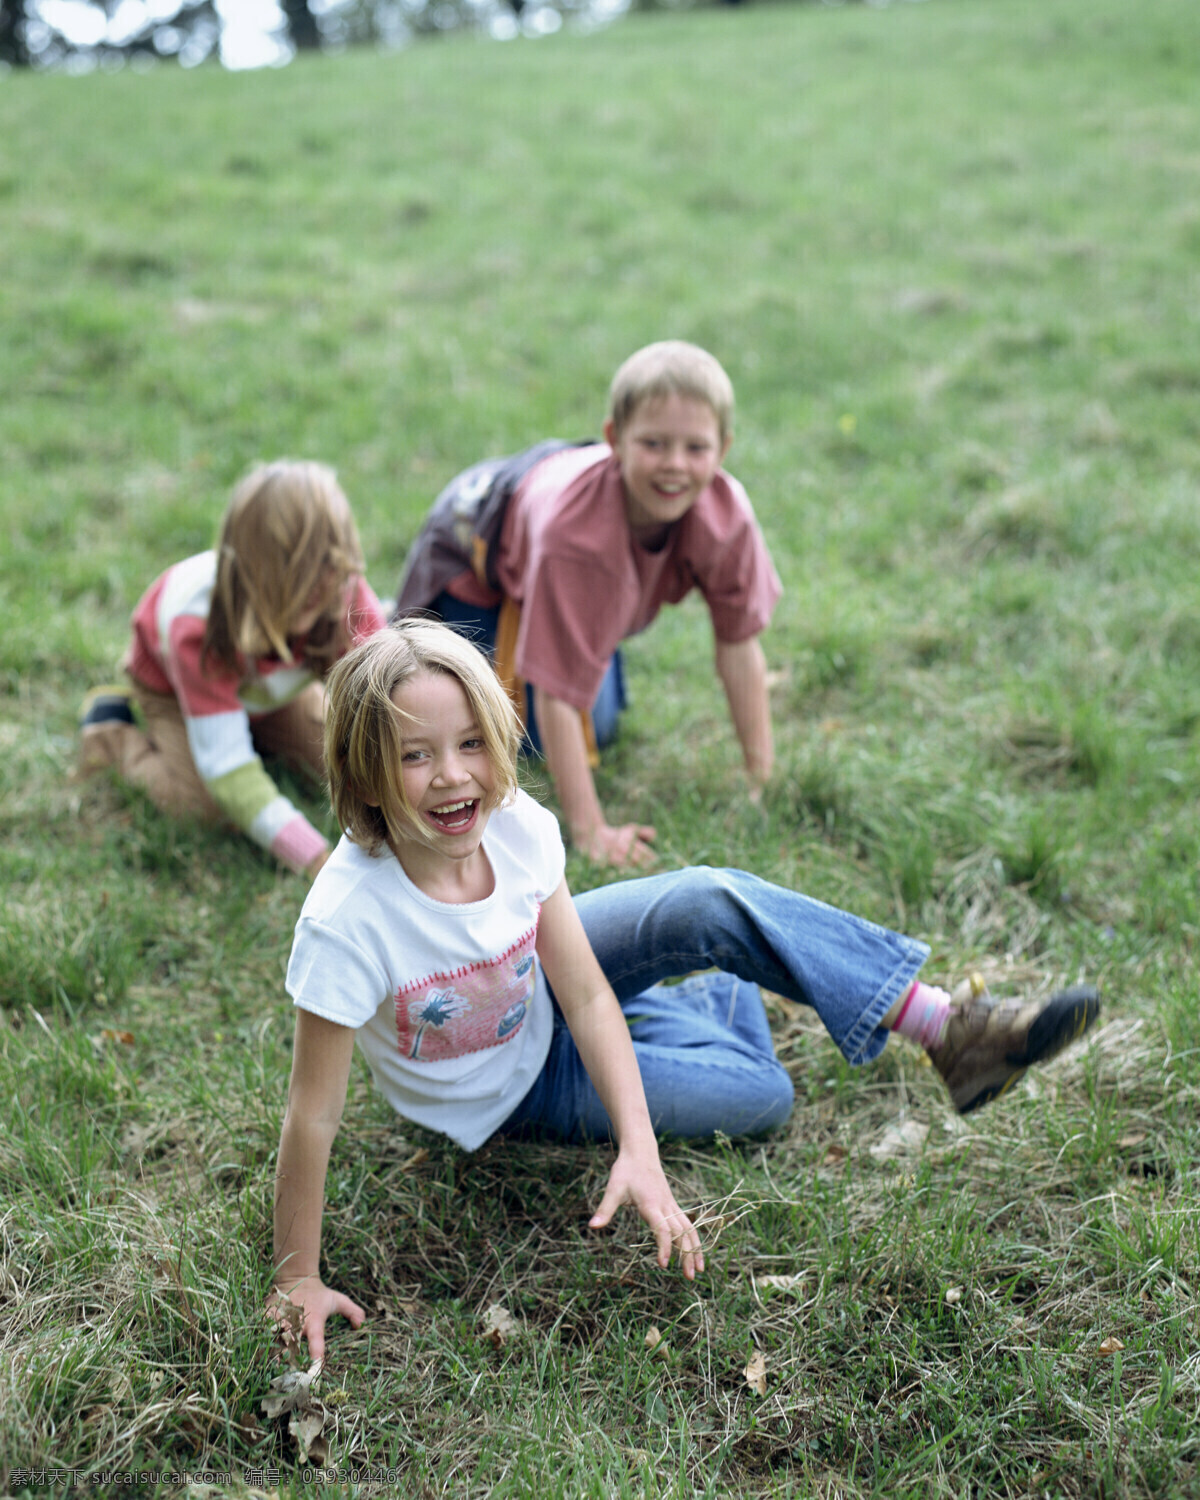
[924, 1014]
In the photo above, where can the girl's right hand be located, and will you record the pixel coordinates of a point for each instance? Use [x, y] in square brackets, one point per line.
[316, 1304]
[637, 1179]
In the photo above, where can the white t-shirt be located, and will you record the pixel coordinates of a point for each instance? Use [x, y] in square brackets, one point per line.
[449, 1002]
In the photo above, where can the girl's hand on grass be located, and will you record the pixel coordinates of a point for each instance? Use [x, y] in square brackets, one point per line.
[315, 1303]
[643, 1185]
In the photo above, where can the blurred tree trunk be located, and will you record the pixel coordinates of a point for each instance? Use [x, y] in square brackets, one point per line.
[302, 25]
[12, 34]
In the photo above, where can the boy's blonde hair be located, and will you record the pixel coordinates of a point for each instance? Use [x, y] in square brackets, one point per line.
[364, 730]
[286, 532]
[671, 368]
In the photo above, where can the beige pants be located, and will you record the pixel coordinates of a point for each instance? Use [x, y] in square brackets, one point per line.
[157, 759]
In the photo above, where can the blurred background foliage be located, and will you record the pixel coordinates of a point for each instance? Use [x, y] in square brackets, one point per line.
[82, 35]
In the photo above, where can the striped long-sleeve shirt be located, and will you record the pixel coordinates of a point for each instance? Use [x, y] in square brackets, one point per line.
[219, 706]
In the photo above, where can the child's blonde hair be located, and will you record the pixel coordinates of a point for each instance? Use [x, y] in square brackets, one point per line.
[671, 368]
[287, 532]
[364, 730]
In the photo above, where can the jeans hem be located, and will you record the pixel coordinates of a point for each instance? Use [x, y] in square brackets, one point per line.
[867, 1038]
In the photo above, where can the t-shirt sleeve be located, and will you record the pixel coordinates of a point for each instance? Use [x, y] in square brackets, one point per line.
[567, 633]
[222, 748]
[332, 977]
[736, 575]
[364, 613]
[550, 856]
[533, 846]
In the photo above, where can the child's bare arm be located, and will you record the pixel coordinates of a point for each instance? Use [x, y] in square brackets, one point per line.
[742, 668]
[602, 1036]
[316, 1097]
[567, 761]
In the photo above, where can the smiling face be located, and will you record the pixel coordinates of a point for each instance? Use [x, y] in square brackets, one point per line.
[669, 451]
[448, 780]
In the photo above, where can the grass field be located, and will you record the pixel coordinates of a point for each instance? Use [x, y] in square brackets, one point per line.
[950, 255]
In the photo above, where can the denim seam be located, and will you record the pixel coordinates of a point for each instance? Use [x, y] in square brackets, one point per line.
[857, 1041]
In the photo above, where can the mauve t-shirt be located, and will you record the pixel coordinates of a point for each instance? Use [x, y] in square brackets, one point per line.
[584, 584]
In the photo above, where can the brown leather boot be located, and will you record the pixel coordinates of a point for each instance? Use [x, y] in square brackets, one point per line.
[990, 1043]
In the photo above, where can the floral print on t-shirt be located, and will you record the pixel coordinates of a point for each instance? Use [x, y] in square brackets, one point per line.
[468, 1009]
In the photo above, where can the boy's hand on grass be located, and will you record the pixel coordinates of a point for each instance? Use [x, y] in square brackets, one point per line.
[627, 845]
[758, 777]
[315, 1303]
[641, 1184]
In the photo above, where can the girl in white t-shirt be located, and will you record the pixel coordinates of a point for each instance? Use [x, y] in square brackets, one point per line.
[441, 936]
[424, 750]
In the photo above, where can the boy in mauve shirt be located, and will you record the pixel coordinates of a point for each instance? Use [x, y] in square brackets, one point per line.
[581, 545]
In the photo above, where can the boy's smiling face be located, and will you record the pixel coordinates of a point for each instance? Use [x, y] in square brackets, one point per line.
[669, 450]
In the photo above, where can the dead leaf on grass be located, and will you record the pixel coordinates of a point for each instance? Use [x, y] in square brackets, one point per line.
[139, 1138]
[291, 1391]
[1111, 1345]
[292, 1394]
[657, 1346]
[781, 1283]
[306, 1428]
[388, 1310]
[498, 1325]
[756, 1373]
[899, 1139]
[288, 1318]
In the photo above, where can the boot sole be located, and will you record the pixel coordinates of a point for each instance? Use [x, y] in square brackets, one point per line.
[1065, 1019]
[106, 705]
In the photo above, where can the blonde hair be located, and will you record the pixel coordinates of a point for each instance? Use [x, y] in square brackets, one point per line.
[364, 730]
[671, 368]
[286, 531]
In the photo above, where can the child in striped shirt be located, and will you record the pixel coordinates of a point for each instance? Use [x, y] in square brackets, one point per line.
[228, 656]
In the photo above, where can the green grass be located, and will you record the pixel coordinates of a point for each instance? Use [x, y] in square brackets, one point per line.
[947, 253]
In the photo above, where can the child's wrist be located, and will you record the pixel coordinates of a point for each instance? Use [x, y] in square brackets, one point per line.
[286, 1285]
[583, 834]
[638, 1141]
[758, 770]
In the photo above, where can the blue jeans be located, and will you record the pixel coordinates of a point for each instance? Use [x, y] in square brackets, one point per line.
[478, 624]
[704, 1046]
